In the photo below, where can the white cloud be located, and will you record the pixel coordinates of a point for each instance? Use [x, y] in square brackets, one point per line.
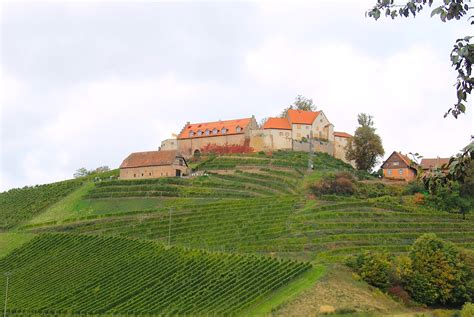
[407, 92]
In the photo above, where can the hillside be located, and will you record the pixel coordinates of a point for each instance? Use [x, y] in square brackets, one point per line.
[251, 208]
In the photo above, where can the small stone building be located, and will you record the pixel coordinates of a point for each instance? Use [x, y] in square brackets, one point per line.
[399, 167]
[153, 164]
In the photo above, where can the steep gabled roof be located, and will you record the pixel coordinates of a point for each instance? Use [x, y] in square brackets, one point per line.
[229, 125]
[405, 159]
[277, 123]
[429, 163]
[342, 135]
[302, 117]
[150, 158]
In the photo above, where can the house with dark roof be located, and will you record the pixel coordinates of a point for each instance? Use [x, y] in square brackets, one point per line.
[399, 167]
[153, 164]
[431, 164]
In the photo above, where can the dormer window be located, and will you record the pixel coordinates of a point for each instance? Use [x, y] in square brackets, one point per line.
[191, 133]
[207, 132]
[199, 132]
[215, 131]
[238, 129]
[224, 130]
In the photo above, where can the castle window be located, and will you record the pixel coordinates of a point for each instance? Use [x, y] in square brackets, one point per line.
[307, 127]
[142, 174]
[224, 130]
[191, 133]
[215, 131]
[281, 133]
[134, 175]
[199, 133]
[207, 132]
[149, 174]
[238, 129]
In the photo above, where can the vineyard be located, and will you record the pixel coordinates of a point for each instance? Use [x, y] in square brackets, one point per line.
[218, 243]
[20, 204]
[282, 226]
[111, 275]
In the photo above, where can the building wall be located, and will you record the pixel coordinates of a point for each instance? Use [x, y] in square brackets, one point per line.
[186, 147]
[402, 173]
[270, 139]
[152, 171]
[340, 149]
[169, 144]
[300, 131]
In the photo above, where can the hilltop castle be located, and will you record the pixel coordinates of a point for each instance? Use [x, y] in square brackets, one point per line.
[298, 131]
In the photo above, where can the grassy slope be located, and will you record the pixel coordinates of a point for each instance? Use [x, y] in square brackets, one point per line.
[271, 302]
[12, 240]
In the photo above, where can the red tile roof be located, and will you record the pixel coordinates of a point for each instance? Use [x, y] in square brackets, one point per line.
[151, 158]
[229, 125]
[342, 135]
[277, 123]
[429, 163]
[302, 117]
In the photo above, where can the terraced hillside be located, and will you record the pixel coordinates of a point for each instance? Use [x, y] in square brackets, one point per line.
[203, 239]
[85, 274]
[282, 226]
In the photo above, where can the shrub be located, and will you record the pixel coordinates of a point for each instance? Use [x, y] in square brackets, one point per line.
[439, 274]
[413, 188]
[467, 310]
[374, 268]
[339, 184]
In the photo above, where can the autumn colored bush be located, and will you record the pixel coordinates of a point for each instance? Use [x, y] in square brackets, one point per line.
[226, 149]
[341, 183]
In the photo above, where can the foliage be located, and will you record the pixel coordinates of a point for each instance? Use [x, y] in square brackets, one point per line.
[83, 172]
[374, 268]
[467, 310]
[462, 54]
[365, 148]
[414, 187]
[300, 103]
[341, 183]
[226, 149]
[122, 276]
[448, 198]
[439, 274]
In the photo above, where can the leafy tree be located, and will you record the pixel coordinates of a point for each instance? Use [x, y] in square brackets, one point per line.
[81, 172]
[462, 54]
[101, 169]
[300, 103]
[437, 272]
[374, 268]
[365, 148]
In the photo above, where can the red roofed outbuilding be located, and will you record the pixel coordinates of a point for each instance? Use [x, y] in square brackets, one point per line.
[153, 164]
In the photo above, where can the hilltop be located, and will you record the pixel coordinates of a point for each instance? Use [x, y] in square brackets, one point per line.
[242, 208]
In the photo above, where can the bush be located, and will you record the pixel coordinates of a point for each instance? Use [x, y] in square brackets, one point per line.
[413, 188]
[339, 184]
[374, 268]
[438, 274]
[467, 310]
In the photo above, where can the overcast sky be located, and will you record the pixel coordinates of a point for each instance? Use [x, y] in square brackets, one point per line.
[85, 84]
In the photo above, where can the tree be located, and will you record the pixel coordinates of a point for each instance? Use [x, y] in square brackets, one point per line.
[81, 172]
[365, 148]
[437, 273]
[300, 103]
[462, 54]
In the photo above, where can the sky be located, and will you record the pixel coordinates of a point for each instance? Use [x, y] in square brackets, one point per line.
[83, 84]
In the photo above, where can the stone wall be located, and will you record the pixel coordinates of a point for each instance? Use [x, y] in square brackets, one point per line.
[152, 171]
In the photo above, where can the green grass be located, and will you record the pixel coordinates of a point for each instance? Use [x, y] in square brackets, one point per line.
[12, 240]
[96, 275]
[266, 305]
